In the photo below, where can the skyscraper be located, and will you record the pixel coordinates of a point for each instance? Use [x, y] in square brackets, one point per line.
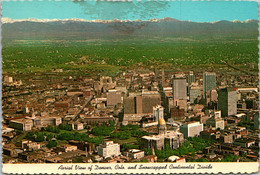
[227, 101]
[191, 77]
[195, 92]
[113, 98]
[179, 87]
[209, 82]
[137, 105]
[163, 78]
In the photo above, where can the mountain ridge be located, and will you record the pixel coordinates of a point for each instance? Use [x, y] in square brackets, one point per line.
[166, 19]
[70, 29]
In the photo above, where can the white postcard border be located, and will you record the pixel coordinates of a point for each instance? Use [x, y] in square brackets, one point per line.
[132, 168]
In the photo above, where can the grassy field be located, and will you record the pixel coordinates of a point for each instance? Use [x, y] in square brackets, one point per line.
[108, 56]
[130, 140]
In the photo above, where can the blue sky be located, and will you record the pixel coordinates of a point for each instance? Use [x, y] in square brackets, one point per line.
[206, 11]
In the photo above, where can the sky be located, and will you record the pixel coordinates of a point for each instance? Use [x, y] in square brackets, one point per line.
[200, 11]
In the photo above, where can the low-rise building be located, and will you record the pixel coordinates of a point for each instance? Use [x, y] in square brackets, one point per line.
[66, 148]
[30, 146]
[108, 149]
[76, 125]
[135, 154]
[177, 114]
[45, 121]
[84, 146]
[21, 124]
[176, 159]
[150, 158]
[243, 142]
[210, 134]
[216, 123]
[226, 138]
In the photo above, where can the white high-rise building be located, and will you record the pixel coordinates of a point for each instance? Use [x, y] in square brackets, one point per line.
[191, 129]
[158, 112]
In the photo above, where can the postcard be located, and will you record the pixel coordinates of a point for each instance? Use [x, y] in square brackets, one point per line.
[120, 87]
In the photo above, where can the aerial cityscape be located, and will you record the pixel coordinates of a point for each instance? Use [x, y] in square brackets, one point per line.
[124, 91]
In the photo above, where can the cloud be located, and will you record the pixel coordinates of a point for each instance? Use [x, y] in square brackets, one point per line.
[107, 10]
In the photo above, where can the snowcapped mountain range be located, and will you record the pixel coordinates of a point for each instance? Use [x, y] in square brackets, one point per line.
[84, 29]
[168, 19]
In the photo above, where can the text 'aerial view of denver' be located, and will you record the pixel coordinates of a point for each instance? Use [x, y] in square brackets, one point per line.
[122, 82]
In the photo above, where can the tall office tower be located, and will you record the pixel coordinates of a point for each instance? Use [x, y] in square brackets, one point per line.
[209, 82]
[227, 101]
[163, 78]
[179, 87]
[113, 98]
[158, 112]
[191, 78]
[195, 92]
[141, 103]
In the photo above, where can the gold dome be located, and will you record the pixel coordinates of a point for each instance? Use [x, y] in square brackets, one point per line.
[162, 121]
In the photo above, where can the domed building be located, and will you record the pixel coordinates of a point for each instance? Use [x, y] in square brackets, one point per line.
[173, 138]
[162, 129]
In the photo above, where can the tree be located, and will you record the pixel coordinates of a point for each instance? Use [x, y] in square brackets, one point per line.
[144, 160]
[30, 135]
[66, 136]
[65, 127]
[102, 130]
[49, 136]
[148, 151]
[203, 102]
[129, 127]
[126, 146]
[121, 116]
[52, 143]
[229, 158]
[201, 160]
[77, 160]
[111, 123]
[84, 137]
[53, 129]
[96, 140]
[139, 133]
[39, 137]
[77, 136]
[122, 135]
[165, 153]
